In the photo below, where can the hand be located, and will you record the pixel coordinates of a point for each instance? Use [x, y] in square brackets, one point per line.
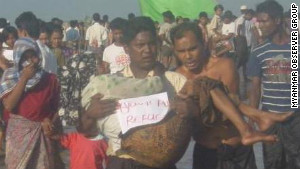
[47, 127]
[233, 141]
[4, 63]
[28, 72]
[101, 108]
[184, 106]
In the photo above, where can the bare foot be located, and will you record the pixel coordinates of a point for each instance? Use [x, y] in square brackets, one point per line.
[268, 119]
[254, 136]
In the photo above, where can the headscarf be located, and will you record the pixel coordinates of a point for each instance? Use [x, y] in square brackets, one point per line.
[12, 75]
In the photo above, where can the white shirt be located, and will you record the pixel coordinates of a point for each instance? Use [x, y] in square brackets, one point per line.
[228, 28]
[116, 57]
[49, 62]
[96, 33]
[248, 25]
[165, 29]
[239, 21]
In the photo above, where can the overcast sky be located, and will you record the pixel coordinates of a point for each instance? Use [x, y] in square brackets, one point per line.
[78, 9]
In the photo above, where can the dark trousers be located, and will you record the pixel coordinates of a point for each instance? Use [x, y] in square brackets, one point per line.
[284, 154]
[225, 157]
[122, 163]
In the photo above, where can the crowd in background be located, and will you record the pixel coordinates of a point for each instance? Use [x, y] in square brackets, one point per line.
[56, 74]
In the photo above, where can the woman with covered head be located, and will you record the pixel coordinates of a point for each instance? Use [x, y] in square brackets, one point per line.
[30, 97]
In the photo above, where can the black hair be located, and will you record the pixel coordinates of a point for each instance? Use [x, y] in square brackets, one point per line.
[9, 30]
[250, 11]
[55, 28]
[228, 15]
[73, 23]
[137, 25]
[96, 17]
[131, 16]
[27, 21]
[179, 31]
[3, 22]
[118, 23]
[272, 8]
[57, 21]
[219, 6]
[105, 18]
[203, 14]
[168, 14]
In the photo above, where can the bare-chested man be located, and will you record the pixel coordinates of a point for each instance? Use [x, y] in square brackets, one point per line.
[195, 62]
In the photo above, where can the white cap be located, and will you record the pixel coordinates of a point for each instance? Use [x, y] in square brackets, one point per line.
[243, 7]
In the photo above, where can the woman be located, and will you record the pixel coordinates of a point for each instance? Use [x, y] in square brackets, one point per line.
[62, 53]
[30, 97]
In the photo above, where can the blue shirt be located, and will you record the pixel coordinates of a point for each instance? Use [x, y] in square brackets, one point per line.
[72, 35]
[272, 63]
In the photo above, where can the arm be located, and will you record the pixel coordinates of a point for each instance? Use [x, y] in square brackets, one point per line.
[100, 108]
[229, 76]
[255, 92]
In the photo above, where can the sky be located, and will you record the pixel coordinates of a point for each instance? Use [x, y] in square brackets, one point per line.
[78, 9]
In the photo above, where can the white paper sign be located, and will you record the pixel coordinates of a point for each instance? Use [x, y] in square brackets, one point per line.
[141, 111]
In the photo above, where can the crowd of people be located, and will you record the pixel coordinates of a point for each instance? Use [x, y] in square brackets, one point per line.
[54, 75]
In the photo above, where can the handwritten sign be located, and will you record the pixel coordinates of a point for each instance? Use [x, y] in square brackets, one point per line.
[141, 111]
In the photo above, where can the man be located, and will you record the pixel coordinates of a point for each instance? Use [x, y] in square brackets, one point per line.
[212, 136]
[270, 73]
[164, 35]
[96, 36]
[203, 24]
[247, 28]
[215, 26]
[114, 55]
[72, 33]
[240, 20]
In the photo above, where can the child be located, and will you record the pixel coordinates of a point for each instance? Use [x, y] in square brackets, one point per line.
[87, 146]
[10, 35]
[114, 55]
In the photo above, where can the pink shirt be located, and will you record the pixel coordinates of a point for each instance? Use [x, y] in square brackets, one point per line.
[85, 153]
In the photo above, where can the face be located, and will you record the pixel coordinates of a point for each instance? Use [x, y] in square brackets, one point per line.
[227, 20]
[203, 20]
[31, 57]
[44, 38]
[11, 39]
[142, 50]
[248, 17]
[267, 24]
[219, 12]
[56, 39]
[189, 51]
[180, 21]
[117, 35]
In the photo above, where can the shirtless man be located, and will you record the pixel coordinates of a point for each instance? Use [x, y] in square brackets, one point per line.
[195, 62]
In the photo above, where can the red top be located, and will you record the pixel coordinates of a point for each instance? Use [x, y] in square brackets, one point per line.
[85, 153]
[39, 102]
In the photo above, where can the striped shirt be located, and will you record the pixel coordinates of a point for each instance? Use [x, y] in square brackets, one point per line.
[272, 63]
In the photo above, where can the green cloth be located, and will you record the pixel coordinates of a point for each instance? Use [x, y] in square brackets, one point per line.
[185, 8]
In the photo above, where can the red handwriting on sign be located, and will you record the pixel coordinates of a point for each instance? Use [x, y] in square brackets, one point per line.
[163, 103]
[125, 107]
[144, 118]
